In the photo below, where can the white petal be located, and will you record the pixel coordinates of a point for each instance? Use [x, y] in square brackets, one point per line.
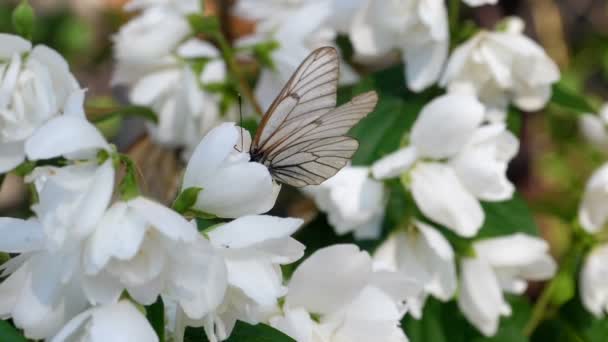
[11, 44]
[480, 298]
[166, 221]
[482, 166]
[64, 135]
[20, 236]
[11, 155]
[394, 164]
[194, 48]
[329, 278]
[236, 190]
[593, 212]
[593, 129]
[424, 63]
[199, 279]
[260, 281]
[120, 322]
[210, 153]
[442, 198]
[296, 323]
[445, 125]
[593, 280]
[101, 289]
[250, 230]
[119, 234]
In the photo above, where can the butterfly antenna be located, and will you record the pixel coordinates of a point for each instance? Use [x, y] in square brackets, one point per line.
[241, 118]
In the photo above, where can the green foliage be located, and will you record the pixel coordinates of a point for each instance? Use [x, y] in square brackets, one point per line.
[186, 199]
[129, 111]
[128, 187]
[572, 323]
[571, 100]
[443, 322]
[24, 19]
[242, 332]
[508, 217]
[204, 25]
[8, 333]
[155, 314]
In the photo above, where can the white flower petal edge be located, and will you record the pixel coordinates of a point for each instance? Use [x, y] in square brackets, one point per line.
[594, 280]
[232, 185]
[481, 298]
[119, 322]
[593, 211]
[498, 267]
[353, 202]
[456, 208]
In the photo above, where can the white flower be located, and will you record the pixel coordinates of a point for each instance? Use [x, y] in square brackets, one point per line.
[502, 67]
[41, 291]
[593, 280]
[353, 201]
[298, 27]
[500, 264]
[35, 85]
[149, 250]
[593, 212]
[453, 161]
[147, 42]
[338, 284]
[185, 111]
[184, 6]
[422, 254]
[253, 248]
[416, 28]
[476, 3]
[72, 198]
[232, 185]
[593, 128]
[118, 322]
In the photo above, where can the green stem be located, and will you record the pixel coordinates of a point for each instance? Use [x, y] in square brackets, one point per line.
[566, 269]
[454, 16]
[235, 71]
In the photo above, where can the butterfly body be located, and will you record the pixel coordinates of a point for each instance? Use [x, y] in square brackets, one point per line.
[302, 137]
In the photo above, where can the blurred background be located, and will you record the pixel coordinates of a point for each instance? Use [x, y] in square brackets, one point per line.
[553, 163]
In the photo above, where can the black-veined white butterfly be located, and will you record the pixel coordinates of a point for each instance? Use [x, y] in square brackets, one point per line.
[302, 137]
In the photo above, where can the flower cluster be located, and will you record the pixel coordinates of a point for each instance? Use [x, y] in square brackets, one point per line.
[96, 257]
[452, 160]
[86, 249]
[169, 69]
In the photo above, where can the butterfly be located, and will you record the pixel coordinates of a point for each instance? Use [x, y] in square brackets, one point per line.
[302, 136]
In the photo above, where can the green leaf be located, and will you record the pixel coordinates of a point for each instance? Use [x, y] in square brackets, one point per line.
[204, 25]
[128, 111]
[381, 131]
[444, 322]
[128, 187]
[155, 314]
[243, 332]
[24, 19]
[507, 217]
[186, 199]
[565, 288]
[8, 333]
[569, 99]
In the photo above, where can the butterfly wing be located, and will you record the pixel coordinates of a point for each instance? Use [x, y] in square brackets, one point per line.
[309, 93]
[323, 148]
[301, 138]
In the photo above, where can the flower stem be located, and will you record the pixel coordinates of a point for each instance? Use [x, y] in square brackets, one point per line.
[235, 71]
[565, 273]
[454, 16]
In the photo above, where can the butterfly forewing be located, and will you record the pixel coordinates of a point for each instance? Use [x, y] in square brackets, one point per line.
[302, 136]
[309, 93]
